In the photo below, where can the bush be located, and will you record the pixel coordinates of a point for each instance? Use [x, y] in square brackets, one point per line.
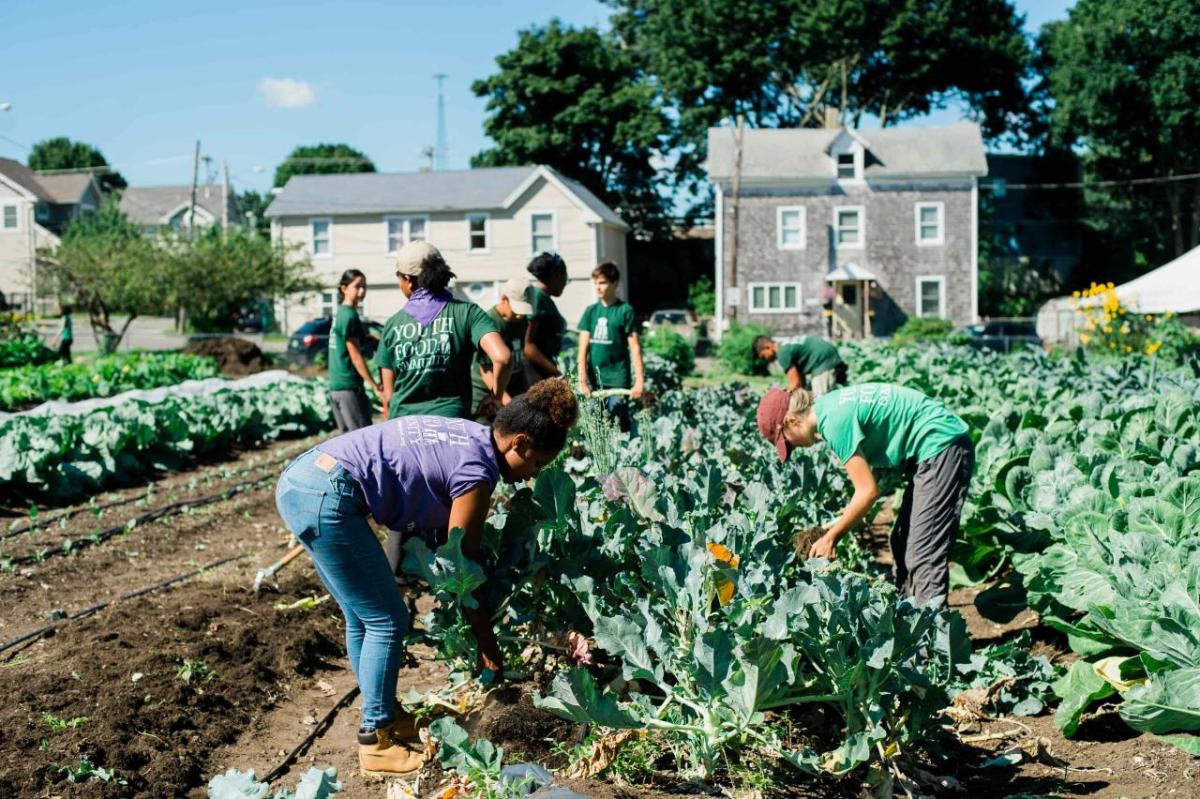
[25, 350]
[668, 344]
[735, 352]
[920, 329]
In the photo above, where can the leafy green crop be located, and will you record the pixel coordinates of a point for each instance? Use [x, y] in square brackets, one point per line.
[28, 385]
[24, 350]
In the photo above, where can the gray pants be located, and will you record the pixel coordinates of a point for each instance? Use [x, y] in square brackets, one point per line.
[351, 410]
[928, 521]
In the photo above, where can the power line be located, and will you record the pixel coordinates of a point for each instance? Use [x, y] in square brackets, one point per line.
[999, 185]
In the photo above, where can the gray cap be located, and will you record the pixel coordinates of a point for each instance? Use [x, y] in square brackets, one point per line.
[517, 292]
[415, 256]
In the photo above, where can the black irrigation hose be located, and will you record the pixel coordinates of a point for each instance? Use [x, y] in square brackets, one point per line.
[145, 518]
[320, 728]
[88, 611]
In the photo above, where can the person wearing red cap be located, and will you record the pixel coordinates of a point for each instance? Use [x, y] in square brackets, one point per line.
[874, 426]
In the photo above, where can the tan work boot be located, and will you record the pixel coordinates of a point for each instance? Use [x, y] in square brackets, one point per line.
[381, 754]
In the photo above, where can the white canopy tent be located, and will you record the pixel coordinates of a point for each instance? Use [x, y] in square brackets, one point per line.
[1172, 288]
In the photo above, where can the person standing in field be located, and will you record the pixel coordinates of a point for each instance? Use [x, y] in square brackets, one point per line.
[809, 362]
[544, 334]
[411, 474]
[873, 426]
[510, 315]
[610, 352]
[347, 367]
[66, 334]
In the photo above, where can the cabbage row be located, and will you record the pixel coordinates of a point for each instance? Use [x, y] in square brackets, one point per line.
[104, 377]
[68, 456]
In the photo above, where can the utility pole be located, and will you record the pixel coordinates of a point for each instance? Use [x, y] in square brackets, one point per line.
[439, 157]
[225, 189]
[733, 233]
[195, 180]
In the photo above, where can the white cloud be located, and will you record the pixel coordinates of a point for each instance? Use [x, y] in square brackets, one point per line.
[287, 93]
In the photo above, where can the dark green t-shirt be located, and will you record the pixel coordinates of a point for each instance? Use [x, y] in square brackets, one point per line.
[433, 363]
[513, 334]
[550, 323]
[890, 426]
[68, 328]
[812, 355]
[609, 328]
[347, 326]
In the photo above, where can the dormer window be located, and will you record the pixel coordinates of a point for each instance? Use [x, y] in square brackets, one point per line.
[846, 167]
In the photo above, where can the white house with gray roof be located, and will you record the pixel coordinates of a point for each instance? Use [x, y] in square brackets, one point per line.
[488, 223]
[846, 232]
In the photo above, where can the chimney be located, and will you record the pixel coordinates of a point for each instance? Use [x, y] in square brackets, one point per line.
[831, 117]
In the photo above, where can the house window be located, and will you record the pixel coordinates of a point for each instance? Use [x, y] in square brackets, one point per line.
[542, 233]
[403, 229]
[322, 237]
[477, 233]
[10, 218]
[774, 297]
[847, 169]
[789, 227]
[931, 296]
[849, 226]
[43, 212]
[329, 303]
[929, 220]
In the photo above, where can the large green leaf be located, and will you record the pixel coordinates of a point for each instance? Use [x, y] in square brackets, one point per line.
[1078, 689]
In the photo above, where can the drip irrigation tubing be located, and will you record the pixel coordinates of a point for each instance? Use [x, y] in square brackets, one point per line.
[91, 609]
[145, 518]
[319, 729]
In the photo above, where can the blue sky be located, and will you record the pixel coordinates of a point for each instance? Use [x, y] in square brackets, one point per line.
[142, 80]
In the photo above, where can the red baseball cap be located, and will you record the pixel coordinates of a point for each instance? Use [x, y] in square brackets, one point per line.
[772, 410]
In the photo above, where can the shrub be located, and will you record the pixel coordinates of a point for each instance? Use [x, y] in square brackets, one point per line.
[735, 351]
[25, 350]
[920, 329]
[668, 344]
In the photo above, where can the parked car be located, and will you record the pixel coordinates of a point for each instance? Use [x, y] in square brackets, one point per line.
[1001, 335]
[680, 320]
[311, 340]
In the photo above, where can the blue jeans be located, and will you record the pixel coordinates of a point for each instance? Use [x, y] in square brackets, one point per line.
[327, 513]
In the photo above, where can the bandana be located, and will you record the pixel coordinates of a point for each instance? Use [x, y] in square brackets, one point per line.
[424, 306]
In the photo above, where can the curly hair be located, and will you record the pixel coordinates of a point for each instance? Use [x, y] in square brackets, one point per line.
[545, 413]
[547, 265]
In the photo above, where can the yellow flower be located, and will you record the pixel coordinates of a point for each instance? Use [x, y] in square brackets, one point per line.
[96, 378]
[1112, 346]
[1149, 318]
[1153, 347]
[1075, 295]
[1128, 348]
[1084, 338]
[125, 368]
[1106, 329]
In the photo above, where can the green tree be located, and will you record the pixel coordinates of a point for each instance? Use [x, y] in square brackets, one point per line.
[573, 99]
[322, 159]
[786, 63]
[63, 153]
[253, 205]
[1123, 77]
[106, 267]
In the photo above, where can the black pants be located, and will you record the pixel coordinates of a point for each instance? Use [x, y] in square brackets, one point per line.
[64, 350]
[929, 521]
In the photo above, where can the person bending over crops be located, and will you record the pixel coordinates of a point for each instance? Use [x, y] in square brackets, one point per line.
[544, 335]
[414, 473]
[347, 367]
[874, 426]
[809, 362]
[510, 315]
[610, 353]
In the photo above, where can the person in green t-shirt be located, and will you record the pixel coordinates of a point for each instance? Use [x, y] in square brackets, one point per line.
[509, 315]
[347, 366]
[544, 334]
[609, 347]
[427, 349]
[66, 334]
[873, 426]
[809, 362]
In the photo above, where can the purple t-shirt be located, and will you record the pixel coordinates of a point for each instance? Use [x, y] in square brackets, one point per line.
[412, 467]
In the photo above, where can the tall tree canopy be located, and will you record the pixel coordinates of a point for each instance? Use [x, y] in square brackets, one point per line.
[322, 159]
[63, 153]
[573, 98]
[784, 63]
[1123, 77]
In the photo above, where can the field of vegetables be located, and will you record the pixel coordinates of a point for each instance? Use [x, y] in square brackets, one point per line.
[662, 636]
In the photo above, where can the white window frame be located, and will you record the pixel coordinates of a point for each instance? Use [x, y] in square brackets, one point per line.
[786, 209]
[328, 299]
[3, 212]
[862, 227]
[407, 219]
[487, 234]
[312, 237]
[940, 239]
[533, 250]
[766, 287]
[941, 283]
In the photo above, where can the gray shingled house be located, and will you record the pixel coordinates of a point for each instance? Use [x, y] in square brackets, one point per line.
[847, 233]
[169, 208]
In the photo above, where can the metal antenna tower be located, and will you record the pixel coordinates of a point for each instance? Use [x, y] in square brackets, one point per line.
[440, 150]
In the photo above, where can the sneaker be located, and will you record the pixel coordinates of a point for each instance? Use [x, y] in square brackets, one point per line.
[382, 754]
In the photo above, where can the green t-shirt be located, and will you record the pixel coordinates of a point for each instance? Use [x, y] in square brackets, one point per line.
[812, 355]
[347, 326]
[513, 334]
[609, 328]
[68, 328]
[550, 323]
[889, 425]
[433, 363]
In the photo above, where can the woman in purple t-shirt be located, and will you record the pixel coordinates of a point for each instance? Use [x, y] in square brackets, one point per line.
[410, 473]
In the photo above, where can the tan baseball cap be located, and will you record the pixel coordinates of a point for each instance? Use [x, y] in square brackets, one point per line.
[517, 291]
[414, 256]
